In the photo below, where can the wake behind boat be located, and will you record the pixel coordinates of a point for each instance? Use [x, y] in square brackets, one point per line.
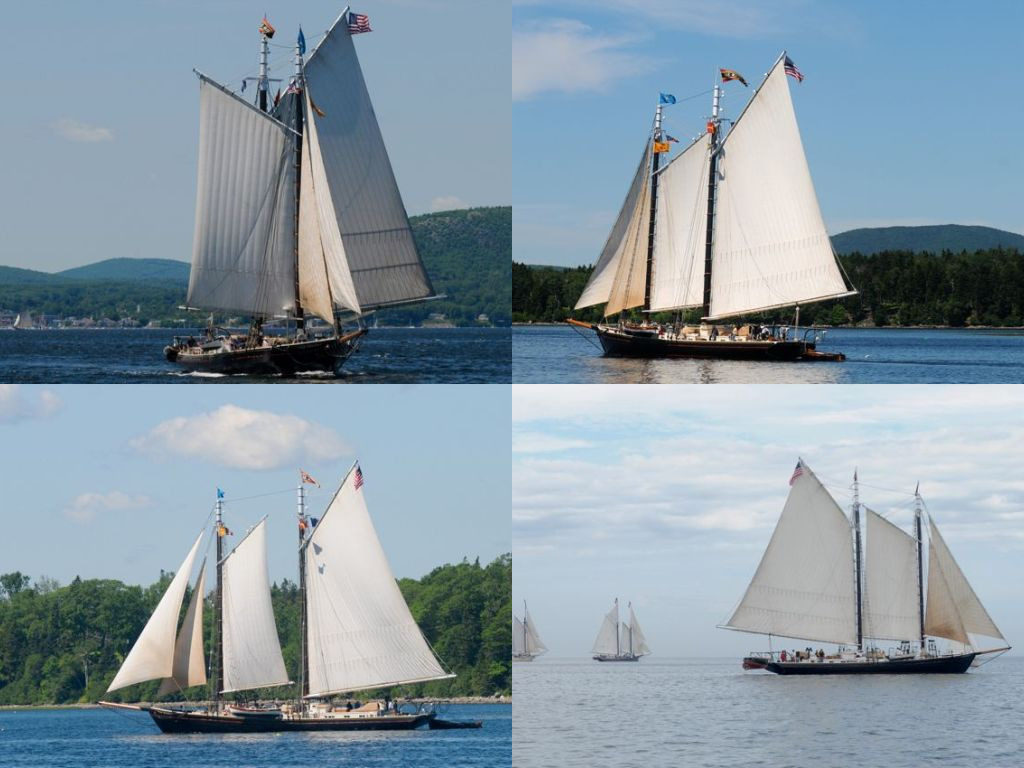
[807, 587]
[297, 214]
[619, 641]
[731, 226]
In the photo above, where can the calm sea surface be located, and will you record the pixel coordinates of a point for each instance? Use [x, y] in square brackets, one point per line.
[690, 712]
[96, 737]
[387, 355]
[558, 354]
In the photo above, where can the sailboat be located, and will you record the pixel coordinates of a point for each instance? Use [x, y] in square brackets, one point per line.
[831, 579]
[619, 641]
[357, 631]
[297, 215]
[731, 225]
[526, 643]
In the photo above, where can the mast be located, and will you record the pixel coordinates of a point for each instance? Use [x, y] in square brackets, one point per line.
[526, 645]
[300, 105]
[655, 162]
[263, 83]
[713, 125]
[857, 561]
[618, 644]
[631, 621]
[920, 561]
[303, 663]
[218, 623]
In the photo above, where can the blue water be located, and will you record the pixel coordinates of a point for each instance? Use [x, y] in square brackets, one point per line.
[386, 356]
[560, 354]
[96, 737]
[701, 712]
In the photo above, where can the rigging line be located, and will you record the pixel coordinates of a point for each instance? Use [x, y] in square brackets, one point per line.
[258, 496]
[585, 336]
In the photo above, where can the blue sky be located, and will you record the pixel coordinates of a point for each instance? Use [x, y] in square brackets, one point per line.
[115, 481]
[101, 158]
[667, 496]
[910, 112]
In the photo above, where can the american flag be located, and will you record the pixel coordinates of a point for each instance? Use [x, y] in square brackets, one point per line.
[357, 23]
[308, 478]
[797, 472]
[359, 478]
[792, 71]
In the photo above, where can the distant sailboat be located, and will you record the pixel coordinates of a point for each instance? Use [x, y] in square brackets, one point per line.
[731, 225]
[827, 578]
[620, 641]
[297, 214]
[24, 322]
[526, 643]
[357, 631]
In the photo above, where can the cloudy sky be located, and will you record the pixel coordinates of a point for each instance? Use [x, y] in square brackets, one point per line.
[667, 496]
[907, 112]
[101, 158]
[115, 482]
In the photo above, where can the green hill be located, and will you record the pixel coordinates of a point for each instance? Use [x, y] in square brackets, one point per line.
[932, 239]
[18, 276]
[130, 270]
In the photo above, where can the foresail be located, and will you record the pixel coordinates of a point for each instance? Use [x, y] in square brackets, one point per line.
[953, 610]
[771, 248]
[360, 633]
[639, 641]
[680, 230]
[804, 586]
[891, 609]
[252, 651]
[607, 637]
[243, 253]
[619, 275]
[378, 244]
[152, 656]
[189, 663]
[533, 642]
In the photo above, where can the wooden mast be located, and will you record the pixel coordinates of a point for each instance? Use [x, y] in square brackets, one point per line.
[713, 128]
[857, 561]
[218, 623]
[655, 162]
[303, 657]
[300, 106]
[920, 562]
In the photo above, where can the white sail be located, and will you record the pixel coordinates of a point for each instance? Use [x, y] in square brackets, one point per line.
[325, 282]
[639, 641]
[953, 609]
[607, 637]
[625, 641]
[680, 230]
[534, 645]
[252, 651]
[619, 275]
[152, 656]
[368, 209]
[771, 248]
[243, 253]
[189, 664]
[804, 585]
[360, 633]
[891, 607]
[519, 641]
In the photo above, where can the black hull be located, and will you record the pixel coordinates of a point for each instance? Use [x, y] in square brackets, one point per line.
[942, 665]
[287, 358]
[176, 721]
[624, 344]
[621, 658]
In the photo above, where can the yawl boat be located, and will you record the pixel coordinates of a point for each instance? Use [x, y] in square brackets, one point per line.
[357, 631]
[826, 578]
[730, 225]
[526, 643]
[297, 214]
[619, 641]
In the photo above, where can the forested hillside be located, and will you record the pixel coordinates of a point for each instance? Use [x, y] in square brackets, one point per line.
[63, 644]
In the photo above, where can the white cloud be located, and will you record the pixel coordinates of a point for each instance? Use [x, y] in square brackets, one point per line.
[73, 130]
[446, 203]
[18, 403]
[537, 442]
[85, 506]
[243, 439]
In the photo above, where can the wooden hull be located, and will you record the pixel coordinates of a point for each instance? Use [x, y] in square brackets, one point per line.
[286, 358]
[941, 665]
[179, 721]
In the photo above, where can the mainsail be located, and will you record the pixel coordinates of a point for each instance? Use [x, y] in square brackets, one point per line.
[607, 642]
[891, 608]
[189, 664]
[638, 643]
[360, 633]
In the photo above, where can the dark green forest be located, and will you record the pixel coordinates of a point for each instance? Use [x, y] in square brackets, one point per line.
[63, 644]
[897, 288]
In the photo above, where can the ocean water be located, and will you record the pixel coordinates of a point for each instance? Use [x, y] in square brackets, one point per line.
[561, 355]
[97, 737]
[698, 712]
[386, 356]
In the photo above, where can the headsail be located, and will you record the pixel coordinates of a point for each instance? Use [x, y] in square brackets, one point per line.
[639, 641]
[189, 663]
[367, 206]
[890, 581]
[534, 645]
[607, 637]
[252, 651]
[152, 656]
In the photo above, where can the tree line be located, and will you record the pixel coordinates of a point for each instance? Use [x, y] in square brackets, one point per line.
[896, 288]
[64, 644]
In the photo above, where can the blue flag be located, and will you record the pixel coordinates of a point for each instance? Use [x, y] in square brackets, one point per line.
[220, 494]
[302, 43]
[666, 98]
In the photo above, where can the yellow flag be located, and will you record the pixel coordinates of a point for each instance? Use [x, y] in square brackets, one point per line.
[661, 146]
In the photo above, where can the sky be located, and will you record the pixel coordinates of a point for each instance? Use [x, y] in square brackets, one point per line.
[667, 496]
[101, 158]
[116, 481]
[910, 112]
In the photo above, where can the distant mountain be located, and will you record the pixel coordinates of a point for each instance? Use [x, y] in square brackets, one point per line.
[18, 276]
[934, 239]
[130, 270]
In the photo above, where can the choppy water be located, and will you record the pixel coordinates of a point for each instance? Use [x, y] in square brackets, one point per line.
[94, 738]
[387, 355]
[559, 354]
[697, 712]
